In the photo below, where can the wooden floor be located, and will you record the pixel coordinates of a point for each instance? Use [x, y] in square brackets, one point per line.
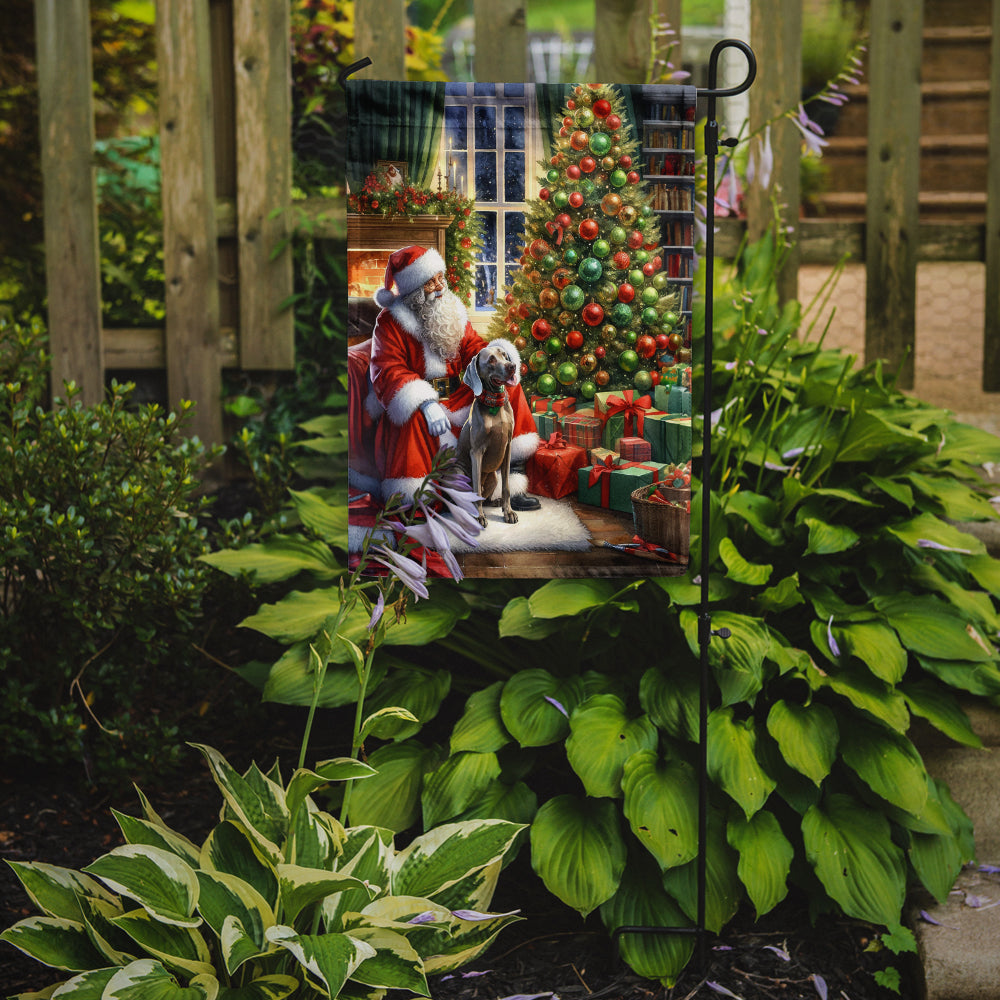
[603, 525]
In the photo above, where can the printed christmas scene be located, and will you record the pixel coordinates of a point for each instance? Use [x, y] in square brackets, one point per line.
[520, 268]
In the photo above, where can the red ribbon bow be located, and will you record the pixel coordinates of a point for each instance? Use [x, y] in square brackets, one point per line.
[556, 440]
[631, 408]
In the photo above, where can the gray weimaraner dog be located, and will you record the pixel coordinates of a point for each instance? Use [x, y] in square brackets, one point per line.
[484, 442]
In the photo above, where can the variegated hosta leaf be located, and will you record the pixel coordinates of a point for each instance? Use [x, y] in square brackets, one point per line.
[230, 849]
[391, 799]
[888, 763]
[476, 890]
[807, 736]
[535, 706]
[315, 838]
[765, 858]
[578, 851]
[468, 939]
[300, 887]
[275, 987]
[54, 941]
[328, 959]
[642, 902]
[141, 831]
[732, 760]
[177, 947]
[225, 897]
[159, 881]
[116, 946]
[256, 801]
[367, 853]
[56, 891]
[147, 979]
[602, 737]
[850, 847]
[481, 727]
[395, 964]
[661, 800]
[86, 986]
[441, 857]
[304, 782]
[456, 784]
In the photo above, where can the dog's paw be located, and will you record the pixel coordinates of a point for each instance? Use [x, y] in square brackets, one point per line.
[483, 520]
[509, 516]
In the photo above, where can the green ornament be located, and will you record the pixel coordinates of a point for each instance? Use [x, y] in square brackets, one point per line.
[584, 118]
[621, 314]
[642, 380]
[618, 178]
[546, 384]
[552, 175]
[587, 187]
[570, 256]
[669, 319]
[640, 256]
[631, 337]
[553, 346]
[600, 143]
[567, 373]
[628, 360]
[645, 211]
[587, 389]
[607, 292]
[617, 235]
[601, 248]
[590, 269]
[636, 277]
[649, 316]
[560, 199]
[548, 262]
[660, 281]
[538, 361]
[572, 297]
[650, 296]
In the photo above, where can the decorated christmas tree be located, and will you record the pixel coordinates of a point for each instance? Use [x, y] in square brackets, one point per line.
[591, 308]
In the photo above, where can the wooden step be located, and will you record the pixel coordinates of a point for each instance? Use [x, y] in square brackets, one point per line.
[958, 206]
[945, 106]
[940, 13]
[956, 53]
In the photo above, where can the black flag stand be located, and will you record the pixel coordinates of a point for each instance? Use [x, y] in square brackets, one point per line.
[705, 631]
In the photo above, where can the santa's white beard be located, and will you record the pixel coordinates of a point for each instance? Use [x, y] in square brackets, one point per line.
[442, 320]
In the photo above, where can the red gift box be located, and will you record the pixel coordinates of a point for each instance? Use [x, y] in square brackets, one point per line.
[583, 431]
[553, 404]
[634, 449]
[552, 469]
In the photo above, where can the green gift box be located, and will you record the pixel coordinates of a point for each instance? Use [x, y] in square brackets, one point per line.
[654, 430]
[677, 438]
[610, 483]
[672, 399]
[548, 423]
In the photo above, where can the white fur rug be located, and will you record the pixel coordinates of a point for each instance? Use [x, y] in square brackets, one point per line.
[554, 526]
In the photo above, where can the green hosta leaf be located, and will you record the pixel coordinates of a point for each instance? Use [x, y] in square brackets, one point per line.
[986, 571]
[261, 809]
[98, 916]
[738, 661]
[391, 798]
[958, 502]
[578, 851]
[807, 736]
[292, 680]
[941, 709]
[850, 848]
[225, 897]
[304, 782]
[641, 901]
[864, 691]
[180, 948]
[315, 839]
[783, 595]
[928, 528]
[975, 605]
[301, 887]
[976, 678]
[602, 738]
[328, 520]
[876, 646]
[387, 722]
[160, 882]
[661, 798]
[738, 569]
[888, 763]
[366, 855]
[528, 710]
[56, 891]
[279, 558]
[932, 628]
[559, 598]
[438, 859]
[937, 859]
[141, 831]
[827, 539]
[670, 698]
[515, 803]
[732, 760]
[274, 987]
[87, 986]
[147, 979]
[481, 728]
[893, 488]
[238, 944]
[417, 690]
[723, 889]
[870, 436]
[456, 784]
[466, 941]
[395, 964]
[330, 959]
[965, 443]
[230, 849]
[765, 858]
[518, 621]
[758, 511]
[54, 941]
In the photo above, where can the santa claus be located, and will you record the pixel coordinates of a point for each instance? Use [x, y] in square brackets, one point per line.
[420, 346]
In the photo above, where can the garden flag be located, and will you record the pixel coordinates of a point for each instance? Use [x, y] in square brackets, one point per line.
[520, 265]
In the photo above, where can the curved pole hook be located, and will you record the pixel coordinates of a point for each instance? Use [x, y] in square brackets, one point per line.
[713, 67]
[348, 70]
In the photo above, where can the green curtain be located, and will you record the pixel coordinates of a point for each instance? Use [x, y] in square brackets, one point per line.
[394, 121]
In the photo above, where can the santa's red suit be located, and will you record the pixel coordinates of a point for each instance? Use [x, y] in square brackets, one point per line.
[403, 363]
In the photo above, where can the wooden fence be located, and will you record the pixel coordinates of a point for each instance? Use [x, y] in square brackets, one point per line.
[226, 160]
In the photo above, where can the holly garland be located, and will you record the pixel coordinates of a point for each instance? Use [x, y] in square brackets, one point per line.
[591, 307]
[463, 238]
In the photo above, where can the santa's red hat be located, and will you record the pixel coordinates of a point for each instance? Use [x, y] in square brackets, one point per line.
[408, 268]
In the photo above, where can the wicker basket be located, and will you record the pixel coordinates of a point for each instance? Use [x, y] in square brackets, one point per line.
[662, 524]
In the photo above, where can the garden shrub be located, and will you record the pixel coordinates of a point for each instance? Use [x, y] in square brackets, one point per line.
[854, 605]
[101, 584]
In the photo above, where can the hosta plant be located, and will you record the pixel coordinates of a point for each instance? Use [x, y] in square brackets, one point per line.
[279, 900]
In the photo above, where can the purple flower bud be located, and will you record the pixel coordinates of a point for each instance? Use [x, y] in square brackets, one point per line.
[834, 648]
[552, 701]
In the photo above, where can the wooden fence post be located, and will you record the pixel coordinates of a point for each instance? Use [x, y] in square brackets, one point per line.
[893, 183]
[991, 329]
[380, 34]
[72, 254]
[776, 35]
[262, 64]
[190, 250]
[501, 41]
[622, 40]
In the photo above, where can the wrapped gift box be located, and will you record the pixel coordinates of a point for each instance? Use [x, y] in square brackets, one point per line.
[598, 455]
[677, 439]
[668, 376]
[673, 399]
[634, 449]
[625, 403]
[553, 404]
[548, 423]
[582, 430]
[610, 483]
[552, 470]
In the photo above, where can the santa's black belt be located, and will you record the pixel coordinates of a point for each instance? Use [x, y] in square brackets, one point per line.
[445, 385]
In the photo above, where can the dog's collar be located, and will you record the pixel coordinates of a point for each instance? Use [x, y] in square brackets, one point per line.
[493, 401]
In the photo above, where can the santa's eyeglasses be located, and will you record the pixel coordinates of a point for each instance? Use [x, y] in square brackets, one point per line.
[435, 283]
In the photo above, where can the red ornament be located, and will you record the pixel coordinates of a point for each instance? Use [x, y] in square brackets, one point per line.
[593, 313]
[574, 340]
[621, 260]
[571, 104]
[562, 219]
[626, 293]
[613, 122]
[662, 342]
[588, 164]
[544, 194]
[676, 341]
[562, 277]
[645, 346]
[564, 131]
[573, 172]
[568, 120]
[648, 269]
[513, 329]
[579, 140]
[524, 369]
[538, 249]
[657, 262]
[634, 239]
[624, 161]
[632, 176]
[602, 378]
[523, 310]
[466, 243]
[575, 199]
[541, 329]
[589, 229]
[600, 351]
[602, 108]
[509, 298]
[655, 377]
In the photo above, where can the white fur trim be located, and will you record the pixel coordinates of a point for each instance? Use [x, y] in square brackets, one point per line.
[518, 484]
[405, 317]
[524, 446]
[447, 440]
[419, 272]
[458, 417]
[384, 298]
[373, 406]
[434, 365]
[369, 484]
[511, 351]
[406, 485]
[407, 400]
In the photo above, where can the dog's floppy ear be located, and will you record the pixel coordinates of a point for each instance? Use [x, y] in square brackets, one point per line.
[511, 351]
[471, 377]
